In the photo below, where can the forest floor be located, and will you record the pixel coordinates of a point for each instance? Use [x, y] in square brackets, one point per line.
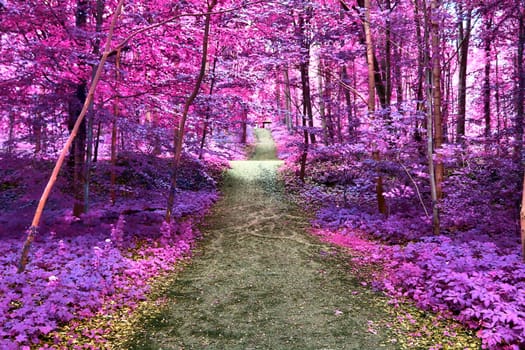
[260, 280]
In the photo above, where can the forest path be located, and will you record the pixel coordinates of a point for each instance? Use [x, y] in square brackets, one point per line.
[260, 281]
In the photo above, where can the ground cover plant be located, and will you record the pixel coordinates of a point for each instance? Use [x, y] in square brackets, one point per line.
[473, 272]
[104, 260]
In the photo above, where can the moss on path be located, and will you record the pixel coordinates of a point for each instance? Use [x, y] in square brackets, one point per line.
[260, 281]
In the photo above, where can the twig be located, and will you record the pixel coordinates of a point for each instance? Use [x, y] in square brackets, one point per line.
[417, 189]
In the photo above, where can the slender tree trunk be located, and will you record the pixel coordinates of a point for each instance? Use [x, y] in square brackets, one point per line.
[78, 151]
[114, 132]
[370, 59]
[348, 101]
[464, 27]
[327, 98]
[307, 111]
[388, 57]
[304, 23]
[99, 21]
[179, 133]
[97, 142]
[89, 155]
[307, 98]
[486, 81]
[304, 154]
[431, 168]
[11, 133]
[32, 230]
[206, 125]
[355, 110]
[436, 94]
[296, 103]
[399, 77]
[446, 104]
[422, 48]
[497, 97]
[288, 100]
[322, 111]
[520, 95]
[381, 202]
[244, 126]
[278, 100]
[518, 149]
[431, 114]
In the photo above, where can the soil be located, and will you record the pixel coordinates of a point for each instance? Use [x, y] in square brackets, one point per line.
[259, 280]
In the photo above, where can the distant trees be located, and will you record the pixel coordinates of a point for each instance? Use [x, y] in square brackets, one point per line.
[415, 83]
[445, 60]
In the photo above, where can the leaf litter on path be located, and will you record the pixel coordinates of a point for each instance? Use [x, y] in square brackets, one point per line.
[260, 281]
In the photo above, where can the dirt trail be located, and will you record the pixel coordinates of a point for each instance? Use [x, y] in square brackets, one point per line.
[260, 281]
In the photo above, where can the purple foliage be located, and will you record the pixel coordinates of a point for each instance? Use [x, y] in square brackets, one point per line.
[73, 278]
[478, 283]
[473, 272]
[80, 267]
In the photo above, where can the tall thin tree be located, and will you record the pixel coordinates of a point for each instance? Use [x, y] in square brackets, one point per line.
[180, 130]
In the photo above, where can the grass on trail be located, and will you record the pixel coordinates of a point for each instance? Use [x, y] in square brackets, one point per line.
[260, 281]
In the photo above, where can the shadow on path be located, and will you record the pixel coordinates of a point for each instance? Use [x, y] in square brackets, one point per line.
[260, 281]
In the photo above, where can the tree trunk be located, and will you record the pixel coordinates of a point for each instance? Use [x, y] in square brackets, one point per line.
[179, 132]
[11, 133]
[288, 100]
[32, 230]
[97, 142]
[422, 50]
[244, 126]
[370, 59]
[381, 202]
[304, 23]
[279, 110]
[89, 155]
[520, 95]
[388, 57]
[486, 81]
[114, 132]
[207, 120]
[464, 27]
[352, 125]
[518, 149]
[322, 111]
[399, 77]
[307, 112]
[497, 96]
[78, 151]
[436, 94]
[446, 104]
[432, 110]
[431, 168]
[327, 98]
[304, 154]
[99, 21]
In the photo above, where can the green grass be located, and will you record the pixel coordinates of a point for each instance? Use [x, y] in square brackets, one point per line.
[259, 281]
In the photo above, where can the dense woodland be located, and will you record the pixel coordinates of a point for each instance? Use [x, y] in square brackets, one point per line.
[401, 122]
